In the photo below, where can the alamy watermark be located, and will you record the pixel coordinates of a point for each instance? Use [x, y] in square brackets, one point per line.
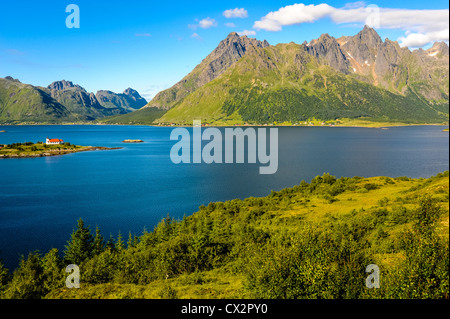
[73, 279]
[73, 19]
[373, 280]
[373, 18]
[220, 147]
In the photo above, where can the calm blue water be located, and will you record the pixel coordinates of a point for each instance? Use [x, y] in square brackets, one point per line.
[134, 187]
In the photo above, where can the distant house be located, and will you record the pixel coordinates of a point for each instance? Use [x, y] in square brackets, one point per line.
[54, 141]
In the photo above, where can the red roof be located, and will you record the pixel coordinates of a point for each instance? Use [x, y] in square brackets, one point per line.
[55, 140]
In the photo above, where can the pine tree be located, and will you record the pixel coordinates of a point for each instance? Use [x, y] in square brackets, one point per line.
[132, 240]
[99, 242]
[53, 274]
[120, 244]
[27, 281]
[110, 244]
[80, 247]
[4, 277]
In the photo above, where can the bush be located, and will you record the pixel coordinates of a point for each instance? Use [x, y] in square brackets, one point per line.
[370, 186]
[167, 292]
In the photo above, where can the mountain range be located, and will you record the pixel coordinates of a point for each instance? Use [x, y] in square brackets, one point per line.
[249, 81]
[244, 80]
[61, 102]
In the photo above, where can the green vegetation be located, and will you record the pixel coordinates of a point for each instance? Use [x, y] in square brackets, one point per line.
[143, 116]
[313, 240]
[30, 149]
[61, 102]
[22, 103]
[270, 85]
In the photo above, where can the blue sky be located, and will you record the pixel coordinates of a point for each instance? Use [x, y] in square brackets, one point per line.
[150, 45]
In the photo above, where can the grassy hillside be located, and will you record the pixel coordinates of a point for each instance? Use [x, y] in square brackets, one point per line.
[22, 103]
[147, 115]
[310, 241]
[284, 83]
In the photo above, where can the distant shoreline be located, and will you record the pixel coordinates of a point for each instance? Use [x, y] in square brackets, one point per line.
[371, 125]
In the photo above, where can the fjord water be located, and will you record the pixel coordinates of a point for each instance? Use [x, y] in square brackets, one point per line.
[133, 188]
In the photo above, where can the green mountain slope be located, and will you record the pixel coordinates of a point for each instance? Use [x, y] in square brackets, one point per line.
[359, 77]
[226, 54]
[286, 83]
[146, 115]
[21, 103]
[61, 102]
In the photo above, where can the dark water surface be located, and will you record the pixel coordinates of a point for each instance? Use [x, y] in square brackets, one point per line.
[134, 187]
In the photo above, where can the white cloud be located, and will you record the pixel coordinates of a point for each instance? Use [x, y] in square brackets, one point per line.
[235, 13]
[230, 25]
[207, 23]
[420, 26]
[417, 40]
[247, 32]
[143, 35]
[204, 24]
[295, 14]
[196, 36]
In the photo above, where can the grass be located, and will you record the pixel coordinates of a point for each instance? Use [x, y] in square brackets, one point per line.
[390, 203]
[30, 149]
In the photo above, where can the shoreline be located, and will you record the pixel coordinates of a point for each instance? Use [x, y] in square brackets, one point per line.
[375, 125]
[49, 153]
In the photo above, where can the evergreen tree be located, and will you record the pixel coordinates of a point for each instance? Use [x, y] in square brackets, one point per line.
[99, 242]
[120, 244]
[110, 244]
[80, 247]
[4, 278]
[27, 279]
[132, 240]
[53, 273]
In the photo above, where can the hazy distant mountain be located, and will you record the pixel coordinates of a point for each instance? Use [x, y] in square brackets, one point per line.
[78, 101]
[246, 80]
[61, 101]
[128, 101]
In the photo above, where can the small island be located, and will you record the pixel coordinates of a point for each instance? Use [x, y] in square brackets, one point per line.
[40, 149]
[133, 141]
[2, 131]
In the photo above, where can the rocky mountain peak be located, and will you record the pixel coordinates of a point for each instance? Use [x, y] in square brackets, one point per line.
[135, 96]
[438, 47]
[370, 35]
[235, 46]
[64, 85]
[131, 92]
[363, 47]
[229, 51]
[232, 35]
[328, 50]
[10, 78]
